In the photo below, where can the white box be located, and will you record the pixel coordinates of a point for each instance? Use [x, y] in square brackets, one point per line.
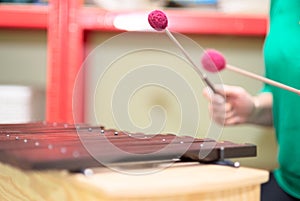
[21, 104]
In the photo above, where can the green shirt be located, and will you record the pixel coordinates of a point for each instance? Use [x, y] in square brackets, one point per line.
[282, 63]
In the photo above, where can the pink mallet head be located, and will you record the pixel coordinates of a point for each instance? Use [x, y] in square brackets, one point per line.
[158, 20]
[213, 61]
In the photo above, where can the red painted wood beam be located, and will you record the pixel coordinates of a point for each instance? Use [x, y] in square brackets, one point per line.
[23, 16]
[65, 55]
[183, 21]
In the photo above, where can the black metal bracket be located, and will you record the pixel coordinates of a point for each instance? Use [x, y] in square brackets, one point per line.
[223, 161]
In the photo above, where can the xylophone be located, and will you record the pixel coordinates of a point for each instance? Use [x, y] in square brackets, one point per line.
[44, 145]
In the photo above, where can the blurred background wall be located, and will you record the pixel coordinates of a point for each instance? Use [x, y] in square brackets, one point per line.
[23, 62]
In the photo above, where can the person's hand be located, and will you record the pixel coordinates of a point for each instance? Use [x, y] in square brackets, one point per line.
[233, 106]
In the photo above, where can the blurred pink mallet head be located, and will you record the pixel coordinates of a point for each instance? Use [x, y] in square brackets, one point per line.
[158, 20]
[213, 61]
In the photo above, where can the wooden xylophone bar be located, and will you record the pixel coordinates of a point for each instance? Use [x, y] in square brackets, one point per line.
[75, 147]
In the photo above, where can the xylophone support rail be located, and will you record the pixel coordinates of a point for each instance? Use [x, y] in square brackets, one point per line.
[223, 161]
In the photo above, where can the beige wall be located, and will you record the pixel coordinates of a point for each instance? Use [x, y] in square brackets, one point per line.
[23, 61]
[23, 58]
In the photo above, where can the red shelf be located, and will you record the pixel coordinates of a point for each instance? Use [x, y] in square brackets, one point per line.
[217, 23]
[97, 19]
[183, 21]
[23, 16]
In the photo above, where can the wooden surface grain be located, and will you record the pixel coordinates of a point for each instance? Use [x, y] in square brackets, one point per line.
[178, 182]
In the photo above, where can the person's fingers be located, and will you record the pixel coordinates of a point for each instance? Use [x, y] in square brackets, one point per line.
[223, 116]
[230, 114]
[231, 90]
[207, 93]
[232, 121]
[219, 105]
[233, 106]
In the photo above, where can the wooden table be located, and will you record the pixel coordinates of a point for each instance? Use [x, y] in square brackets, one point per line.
[184, 181]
